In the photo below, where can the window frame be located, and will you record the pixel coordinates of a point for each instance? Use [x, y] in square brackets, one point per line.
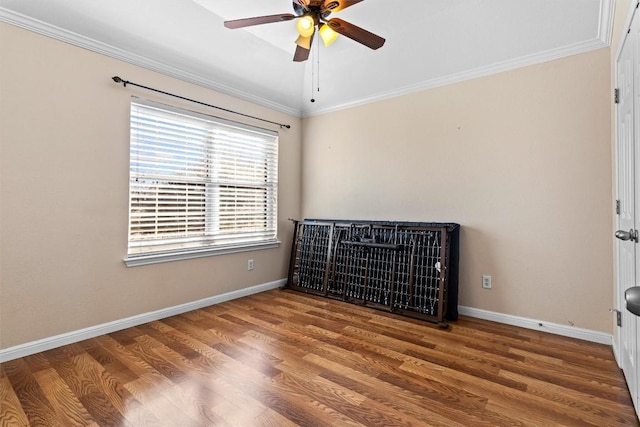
[208, 244]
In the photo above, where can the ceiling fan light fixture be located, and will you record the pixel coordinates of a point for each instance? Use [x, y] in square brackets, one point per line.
[306, 26]
[327, 34]
[311, 16]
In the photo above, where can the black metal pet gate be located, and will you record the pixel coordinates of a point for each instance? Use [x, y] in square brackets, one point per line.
[409, 268]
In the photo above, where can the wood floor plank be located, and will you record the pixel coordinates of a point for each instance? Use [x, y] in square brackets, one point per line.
[164, 399]
[117, 395]
[289, 403]
[529, 408]
[11, 412]
[35, 404]
[37, 362]
[283, 358]
[65, 403]
[593, 409]
[413, 407]
[271, 418]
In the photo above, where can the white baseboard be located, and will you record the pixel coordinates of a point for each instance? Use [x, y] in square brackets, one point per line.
[614, 347]
[129, 322]
[538, 325]
[44, 344]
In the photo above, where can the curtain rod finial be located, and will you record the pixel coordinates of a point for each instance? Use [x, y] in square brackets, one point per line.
[117, 79]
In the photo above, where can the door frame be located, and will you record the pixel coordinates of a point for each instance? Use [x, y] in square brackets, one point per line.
[619, 302]
[633, 7]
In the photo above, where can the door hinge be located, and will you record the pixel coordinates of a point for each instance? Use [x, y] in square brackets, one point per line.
[616, 96]
[618, 316]
[617, 207]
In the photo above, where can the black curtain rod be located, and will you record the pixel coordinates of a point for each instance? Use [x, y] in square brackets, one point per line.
[125, 83]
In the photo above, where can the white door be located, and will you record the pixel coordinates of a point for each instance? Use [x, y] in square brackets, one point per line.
[628, 82]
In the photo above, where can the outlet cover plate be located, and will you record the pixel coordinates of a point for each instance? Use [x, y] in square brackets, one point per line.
[486, 282]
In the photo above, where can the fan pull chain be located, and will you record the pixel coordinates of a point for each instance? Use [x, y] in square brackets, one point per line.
[318, 58]
[313, 74]
[315, 69]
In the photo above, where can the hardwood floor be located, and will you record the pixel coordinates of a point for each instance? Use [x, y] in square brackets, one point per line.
[282, 358]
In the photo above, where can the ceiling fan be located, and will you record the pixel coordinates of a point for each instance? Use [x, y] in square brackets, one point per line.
[312, 14]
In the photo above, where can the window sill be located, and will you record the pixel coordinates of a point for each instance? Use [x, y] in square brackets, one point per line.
[156, 258]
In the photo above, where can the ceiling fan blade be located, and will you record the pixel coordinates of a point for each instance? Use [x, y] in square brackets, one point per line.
[338, 5]
[356, 33]
[302, 53]
[259, 20]
[304, 42]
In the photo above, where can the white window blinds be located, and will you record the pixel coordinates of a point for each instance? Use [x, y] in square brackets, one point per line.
[199, 182]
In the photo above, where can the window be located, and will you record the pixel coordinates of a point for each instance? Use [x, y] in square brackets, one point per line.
[199, 185]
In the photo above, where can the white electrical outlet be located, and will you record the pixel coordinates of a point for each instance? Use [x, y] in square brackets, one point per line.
[486, 282]
[250, 265]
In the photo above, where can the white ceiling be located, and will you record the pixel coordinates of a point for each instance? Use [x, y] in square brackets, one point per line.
[429, 43]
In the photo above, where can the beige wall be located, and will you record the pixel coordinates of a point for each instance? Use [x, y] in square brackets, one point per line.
[64, 194]
[522, 160]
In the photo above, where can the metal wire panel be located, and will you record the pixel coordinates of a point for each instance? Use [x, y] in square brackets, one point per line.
[364, 261]
[311, 252]
[420, 279]
[400, 267]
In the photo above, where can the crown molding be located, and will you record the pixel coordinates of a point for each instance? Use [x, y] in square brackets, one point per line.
[72, 38]
[633, 7]
[496, 68]
[601, 41]
[605, 28]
